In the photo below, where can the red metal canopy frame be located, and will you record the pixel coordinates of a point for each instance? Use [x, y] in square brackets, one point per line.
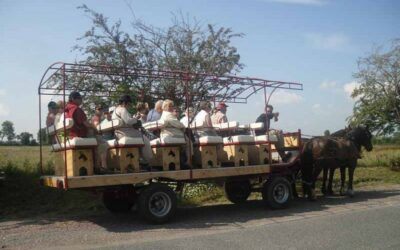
[62, 78]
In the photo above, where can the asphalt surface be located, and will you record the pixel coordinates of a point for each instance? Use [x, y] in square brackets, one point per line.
[371, 220]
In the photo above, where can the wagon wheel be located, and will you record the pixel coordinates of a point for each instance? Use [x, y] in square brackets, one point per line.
[119, 200]
[277, 193]
[237, 191]
[157, 203]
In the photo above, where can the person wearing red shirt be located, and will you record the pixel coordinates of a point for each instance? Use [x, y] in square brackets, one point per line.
[72, 110]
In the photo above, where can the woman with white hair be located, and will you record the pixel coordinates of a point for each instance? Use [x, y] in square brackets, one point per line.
[173, 127]
[155, 114]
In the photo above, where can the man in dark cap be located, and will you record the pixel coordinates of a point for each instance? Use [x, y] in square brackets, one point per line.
[73, 110]
[266, 119]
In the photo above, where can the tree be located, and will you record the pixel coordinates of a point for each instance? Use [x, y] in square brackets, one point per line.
[7, 130]
[378, 104]
[186, 46]
[25, 138]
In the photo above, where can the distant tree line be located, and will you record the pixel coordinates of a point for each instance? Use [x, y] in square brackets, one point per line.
[8, 136]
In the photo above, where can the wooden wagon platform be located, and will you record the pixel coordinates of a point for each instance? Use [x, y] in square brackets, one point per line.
[136, 178]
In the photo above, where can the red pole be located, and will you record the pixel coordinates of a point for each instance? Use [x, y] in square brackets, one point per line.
[187, 96]
[40, 132]
[65, 133]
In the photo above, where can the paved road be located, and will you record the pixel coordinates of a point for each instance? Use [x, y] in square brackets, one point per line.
[369, 221]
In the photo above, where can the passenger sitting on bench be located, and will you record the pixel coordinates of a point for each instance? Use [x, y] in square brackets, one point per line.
[60, 112]
[73, 111]
[155, 114]
[108, 135]
[50, 119]
[266, 118]
[203, 121]
[130, 127]
[142, 109]
[220, 115]
[188, 117]
[173, 127]
[81, 125]
[98, 115]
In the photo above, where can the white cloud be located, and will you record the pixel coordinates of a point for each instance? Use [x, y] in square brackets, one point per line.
[301, 2]
[284, 97]
[349, 88]
[4, 110]
[327, 41]
[328, 85]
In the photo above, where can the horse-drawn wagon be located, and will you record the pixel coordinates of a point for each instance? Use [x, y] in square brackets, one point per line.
[244, 162]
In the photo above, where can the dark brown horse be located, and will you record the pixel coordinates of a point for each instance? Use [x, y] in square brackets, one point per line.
[330, 152]
[327, 190]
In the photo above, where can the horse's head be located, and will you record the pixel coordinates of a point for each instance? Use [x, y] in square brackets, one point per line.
[362, 136]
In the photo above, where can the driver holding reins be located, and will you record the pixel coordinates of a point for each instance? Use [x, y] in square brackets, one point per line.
[266, 118]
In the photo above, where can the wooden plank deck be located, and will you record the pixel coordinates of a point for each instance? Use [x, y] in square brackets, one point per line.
[136, 178]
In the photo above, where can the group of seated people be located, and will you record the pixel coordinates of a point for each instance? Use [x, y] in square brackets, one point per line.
[201, 124]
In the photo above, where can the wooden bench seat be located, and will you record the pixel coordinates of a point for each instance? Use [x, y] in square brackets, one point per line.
[167, 152]
[75, 154]
[123, 153]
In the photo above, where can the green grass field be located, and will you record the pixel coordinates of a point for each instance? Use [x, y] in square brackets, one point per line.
[22, 196]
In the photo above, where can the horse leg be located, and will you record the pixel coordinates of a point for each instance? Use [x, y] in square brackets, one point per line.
[342, 180]
[325, 175]
[294, 191]
[352, 168]
[330, 181]
[315, 174]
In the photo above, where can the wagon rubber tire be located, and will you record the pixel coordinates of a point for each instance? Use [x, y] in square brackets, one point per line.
[277, 193]
[237, 191]
[119, 200]
[157, 203]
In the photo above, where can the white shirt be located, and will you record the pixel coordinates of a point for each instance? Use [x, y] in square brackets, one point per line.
[122, 114]
[202, 123]
[200, 120]
[184, 120]
[172, 126]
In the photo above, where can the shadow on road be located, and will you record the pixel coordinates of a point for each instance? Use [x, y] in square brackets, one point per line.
[212, 216]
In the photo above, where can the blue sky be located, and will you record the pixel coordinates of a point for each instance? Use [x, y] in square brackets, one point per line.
[314, 42]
